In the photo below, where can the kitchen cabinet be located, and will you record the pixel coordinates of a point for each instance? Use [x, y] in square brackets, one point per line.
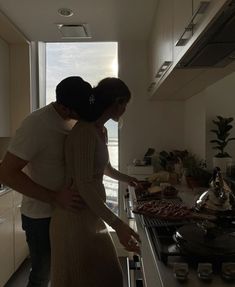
[6, 238]
[161, 49]
[195, 4]
[190, 23]
[20, 244]
[15, 78]
[13, 246]
[4, 90]
[182, 14]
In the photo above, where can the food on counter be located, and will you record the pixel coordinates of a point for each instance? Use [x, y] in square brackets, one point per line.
[170, 191]
[165, 190]
[145, 184]
[163, 209]
[154, 189]
[161, 176]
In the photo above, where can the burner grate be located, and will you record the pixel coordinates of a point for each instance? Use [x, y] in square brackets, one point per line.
[155, 222]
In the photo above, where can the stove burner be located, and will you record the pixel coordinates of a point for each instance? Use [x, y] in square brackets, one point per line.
[163, 237]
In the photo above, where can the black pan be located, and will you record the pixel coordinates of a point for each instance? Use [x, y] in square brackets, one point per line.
[193, 239]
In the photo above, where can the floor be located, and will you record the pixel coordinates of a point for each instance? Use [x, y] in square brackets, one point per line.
[19, 279]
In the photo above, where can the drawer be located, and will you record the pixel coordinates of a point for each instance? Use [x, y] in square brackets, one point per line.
[6, 246]
[6, 201]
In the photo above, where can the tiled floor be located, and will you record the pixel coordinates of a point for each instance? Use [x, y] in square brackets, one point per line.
[19, 279]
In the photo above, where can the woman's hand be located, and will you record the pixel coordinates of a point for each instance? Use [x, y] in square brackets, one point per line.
[128, 237]
[135, 183]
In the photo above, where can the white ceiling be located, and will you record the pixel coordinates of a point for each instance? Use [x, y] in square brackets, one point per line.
[109, 20]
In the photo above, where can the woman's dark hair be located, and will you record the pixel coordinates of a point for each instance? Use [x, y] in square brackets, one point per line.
[72, 91]
[106, 93]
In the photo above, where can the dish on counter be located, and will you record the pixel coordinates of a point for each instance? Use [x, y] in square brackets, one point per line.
[156, 192]
[163, 209]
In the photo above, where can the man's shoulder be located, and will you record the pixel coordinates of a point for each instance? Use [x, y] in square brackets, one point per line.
[40, 112]
[37, 116]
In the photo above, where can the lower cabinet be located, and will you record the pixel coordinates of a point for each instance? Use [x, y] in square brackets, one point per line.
[13, 246]
[6, 246]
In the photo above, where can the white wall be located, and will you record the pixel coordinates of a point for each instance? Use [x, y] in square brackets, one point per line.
[20, 84]
[200, 110]
[4, 89]
[146, 123]
[195, 125]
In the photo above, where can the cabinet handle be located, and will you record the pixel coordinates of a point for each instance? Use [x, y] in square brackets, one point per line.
[189, 28]
[2, 220]
[151, 86]
[164, 67]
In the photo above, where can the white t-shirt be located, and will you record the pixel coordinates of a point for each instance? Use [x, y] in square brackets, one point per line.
[40, 141]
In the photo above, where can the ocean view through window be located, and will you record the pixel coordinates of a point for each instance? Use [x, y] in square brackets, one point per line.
[92, 62]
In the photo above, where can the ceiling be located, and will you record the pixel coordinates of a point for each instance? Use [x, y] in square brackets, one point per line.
[108, 20]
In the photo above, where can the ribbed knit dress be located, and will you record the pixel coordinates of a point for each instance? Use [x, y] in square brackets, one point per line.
[83, 254]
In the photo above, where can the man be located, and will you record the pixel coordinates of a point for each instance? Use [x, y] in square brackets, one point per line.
[34, 166]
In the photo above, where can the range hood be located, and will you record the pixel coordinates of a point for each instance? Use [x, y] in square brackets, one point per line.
[215, 47]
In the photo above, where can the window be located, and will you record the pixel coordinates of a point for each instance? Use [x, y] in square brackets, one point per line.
[93, 62]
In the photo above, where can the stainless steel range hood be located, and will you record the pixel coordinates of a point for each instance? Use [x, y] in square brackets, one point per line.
[215, 47]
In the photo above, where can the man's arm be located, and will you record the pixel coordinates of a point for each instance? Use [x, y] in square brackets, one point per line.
[11, 174]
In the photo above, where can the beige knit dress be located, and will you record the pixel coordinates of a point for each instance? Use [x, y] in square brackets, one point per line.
[83, 254]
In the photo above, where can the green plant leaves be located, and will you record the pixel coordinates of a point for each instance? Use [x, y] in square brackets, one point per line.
[222, 134]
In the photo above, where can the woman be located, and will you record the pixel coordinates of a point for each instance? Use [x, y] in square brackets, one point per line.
[83, 254]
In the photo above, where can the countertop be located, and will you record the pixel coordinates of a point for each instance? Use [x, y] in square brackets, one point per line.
[155, 272]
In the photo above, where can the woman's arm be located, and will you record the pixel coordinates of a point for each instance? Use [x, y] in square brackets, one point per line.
[115, 174]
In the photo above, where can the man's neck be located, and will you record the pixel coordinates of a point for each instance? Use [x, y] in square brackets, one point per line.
[61, 110]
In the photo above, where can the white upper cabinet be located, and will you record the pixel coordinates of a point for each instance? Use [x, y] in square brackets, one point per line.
[182, 14]
[196, 4]
[161, 49]
[179, 27]
[4, 89]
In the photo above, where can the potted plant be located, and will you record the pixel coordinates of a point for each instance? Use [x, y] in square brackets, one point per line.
[222, 132]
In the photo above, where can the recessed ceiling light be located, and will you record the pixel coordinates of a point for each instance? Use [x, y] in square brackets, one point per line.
[65, 12]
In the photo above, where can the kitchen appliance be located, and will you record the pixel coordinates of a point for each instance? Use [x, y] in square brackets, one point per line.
[161, 233]
[184, 241]
[135, 276]
[215, 46]
[214, 243]
[218, 199]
